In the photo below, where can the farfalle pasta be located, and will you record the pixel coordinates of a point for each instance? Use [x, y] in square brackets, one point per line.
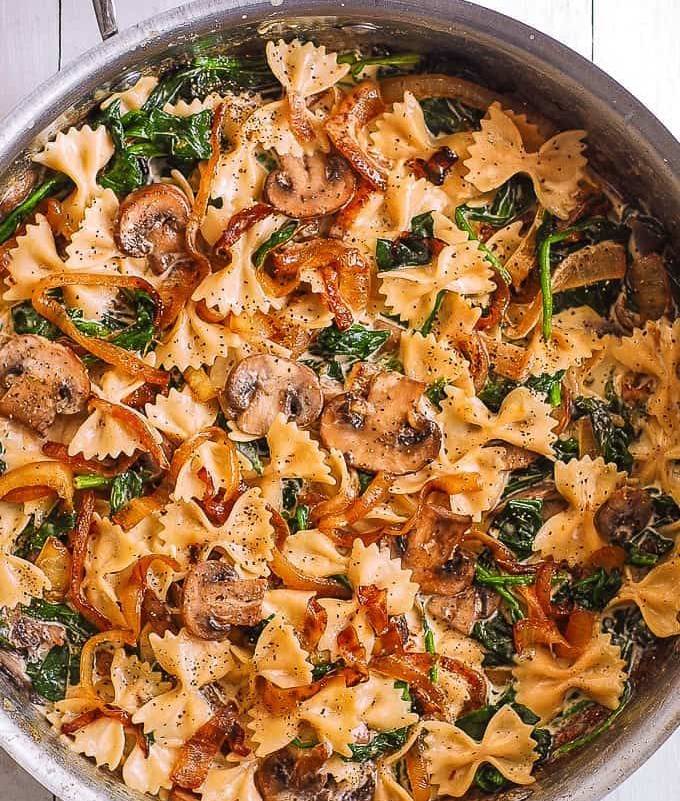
[339, 441]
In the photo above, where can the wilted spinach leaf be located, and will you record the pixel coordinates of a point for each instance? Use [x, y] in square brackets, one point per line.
[206, 74]
[124, 488]
[57, 524]
[26, 320]
[510, 202]
[612, 438]
[388, 63]
[495, 634]
[254, 451]
[50, 677]
[382, 743]
[50, 186]
[518, 525]
[414, 248]
[436, 392]
[593, 592]
[278, 238]
[357, 342]
[444, 116]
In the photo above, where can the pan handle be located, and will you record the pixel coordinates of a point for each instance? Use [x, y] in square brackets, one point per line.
[105, 11]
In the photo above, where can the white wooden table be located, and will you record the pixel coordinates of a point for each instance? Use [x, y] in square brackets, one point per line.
[636, 42]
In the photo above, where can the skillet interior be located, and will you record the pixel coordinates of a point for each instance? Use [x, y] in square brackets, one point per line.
[626, 143]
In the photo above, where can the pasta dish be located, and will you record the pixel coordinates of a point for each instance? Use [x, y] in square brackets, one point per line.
[338, 433]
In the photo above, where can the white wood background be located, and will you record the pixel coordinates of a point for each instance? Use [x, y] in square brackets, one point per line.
[636, 42]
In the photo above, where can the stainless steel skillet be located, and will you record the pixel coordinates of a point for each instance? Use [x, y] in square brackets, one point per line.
[627, 142]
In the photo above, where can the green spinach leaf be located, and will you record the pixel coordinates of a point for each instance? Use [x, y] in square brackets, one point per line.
[444, 116]
[518, 524]
[50, 186]
[357, 342]
[495, 634]
[612, 438]
[382, 743]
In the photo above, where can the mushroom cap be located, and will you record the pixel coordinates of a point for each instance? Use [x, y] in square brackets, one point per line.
[292, 775]
[40, 379]
[152, 221]
[463, 610]
[437, 564]
[261, 386]
[214, 599]
[626, 512]
[385, 430]
[310, 186]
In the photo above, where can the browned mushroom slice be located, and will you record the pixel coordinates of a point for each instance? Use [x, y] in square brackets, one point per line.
[625, 513]
[152, 222]
[432, 555]
[40, 379]
[294, 774]
[463, 610]
[310, 186]
[261, 386]
[214, 599]
[385, 430]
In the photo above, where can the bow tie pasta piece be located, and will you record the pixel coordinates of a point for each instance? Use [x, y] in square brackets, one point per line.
[231, 783]
[381, 705]
[406, 197]
[401, 133]
[103, 740]
[430, 361]
[522, 420]
[20, 445]
[35, 257]
[151, 772]
[135, 97]
[210, 458]
[134, 681]
[333, 713]
[369, 564]
[20, 580]
[340, 615]
[499, 153]
[454, 757]
[176, 715]
[179, 415]
[656, 454]
[411, 292]
[655, 351]
[236, 288]
[575, 337]
[288, 605]
[657, 597]
[543, 680]
[102, 436]
[489, 465]
[111, 550]
[571, 535]
[80, 154]
[193, 342]
[248, 536]
[280, 658]
[292, 454]
[304, 69]
[238, 184]
[314, 553]
[184, 525]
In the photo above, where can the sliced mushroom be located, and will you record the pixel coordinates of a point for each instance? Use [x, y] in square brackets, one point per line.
[261, 386]
[625, 513]
[35, 637]
[40, 379]
[385, 429]
[432, 555]
[214, 599]
[310, 186]
[463, 610]
[151, 222]
[291, 774]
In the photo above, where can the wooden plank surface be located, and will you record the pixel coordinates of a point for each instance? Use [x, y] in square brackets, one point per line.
[635, 42]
